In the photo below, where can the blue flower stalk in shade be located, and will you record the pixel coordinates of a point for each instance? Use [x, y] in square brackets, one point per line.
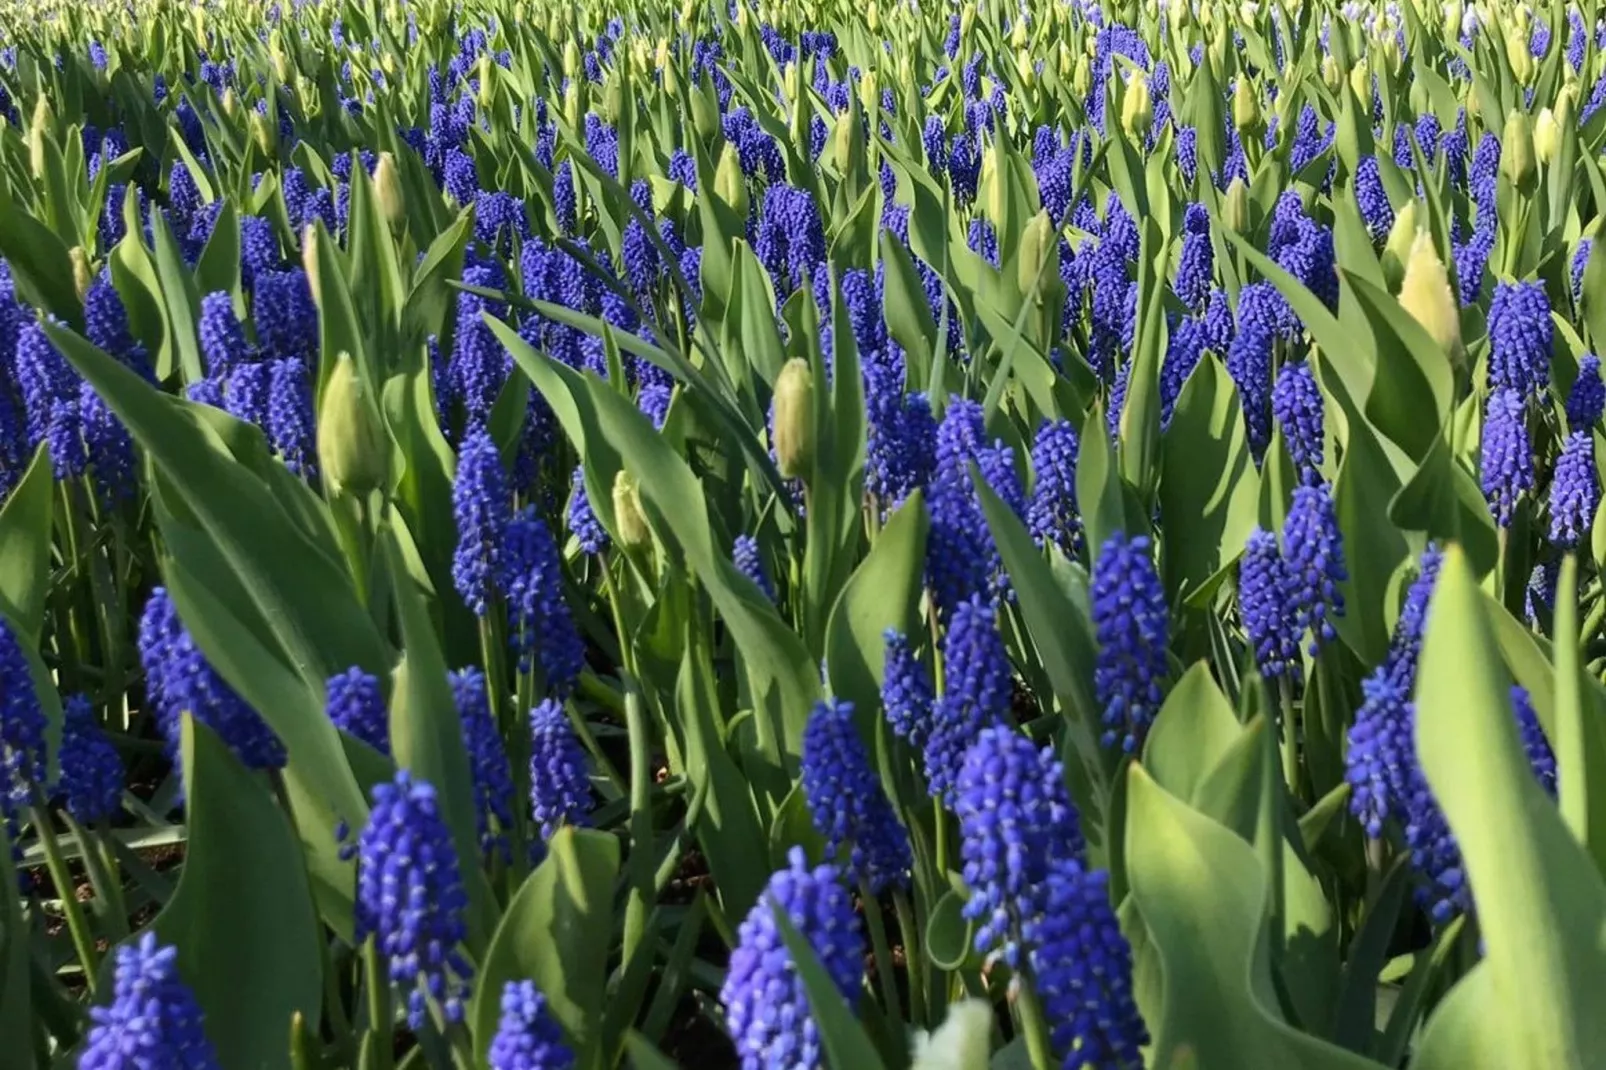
[1296, 403]
[179, 680]
[766, 1006]
[487, 759]
[583, 523]
[22, 727]
[153, 1019]
[1587, 398]
[560, 787]
[1015, 822]
[527, 1036]
[1132, 628]
[532, 581]
[356, 706]
[1520, 334]
[1507, 464]
[1574, 490]
[749, 559]
[91, 781]
[847, 803]
[1082, 972]
[1313, 555]
[483, 511]
[961, 559]
[976, 693]
[50, 395]
[410, 897]
[291, 423]
[1534, 744]
[906, 692]
[286, 318]
[1051, 514]
[1269, 622]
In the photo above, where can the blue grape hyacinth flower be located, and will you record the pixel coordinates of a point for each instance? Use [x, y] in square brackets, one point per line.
[152, 1020]
[766, 1006]
[560, 788]
[846, 800]
[527, 1036]
[1132, 627]
[410, 897]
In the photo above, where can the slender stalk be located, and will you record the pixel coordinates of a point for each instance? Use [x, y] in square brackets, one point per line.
[379, 1020]
[1032, 1023]
[883, 956]
[78, 925]
[912, 948]
[1290, 741]
[639, 902]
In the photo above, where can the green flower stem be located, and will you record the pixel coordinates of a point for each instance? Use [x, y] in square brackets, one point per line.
[913, 955]
[103, 875]
[77, 924]
[1290, 740]
[379, 1043]
[108, 606]
[1032, 1023]
[883, 957]
[639, 903]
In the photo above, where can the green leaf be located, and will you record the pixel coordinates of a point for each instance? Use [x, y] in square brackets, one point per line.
[39, 263]
[1354, 1026]
[1194, 730]
[845, 1042]
[1098, 485]
[1414, 384]
[180, 298]
[1541, 901]
[25, 527]
[241, 916]
[1444, 502]
[884, 592]
[949, 937]
[16, 1012]
[728, 827]
[557, 932]
[643, 1056]
[1577, 733]
[1208, 476]
[426, 735]
[1374, 547]
[1200, 891]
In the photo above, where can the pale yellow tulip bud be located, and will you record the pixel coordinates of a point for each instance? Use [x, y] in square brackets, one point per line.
[1426, 295]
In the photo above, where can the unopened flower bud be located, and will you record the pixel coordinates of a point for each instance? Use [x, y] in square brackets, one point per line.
[1245, 106]
[1426, 295]
[847, 142]
[1038, 258]
[1547, 136]
[1137, 109]
[388, 189]
[231, 103]
[82, 277]
[627, 515]
[730, 185]
[1401, 240]
[1517, 152]
[1522, 61]
[1235, 208]
[44, 119]
[309, 259]
[705, 110]
[353, 445]
[792, 417]
[262, 133]
[571, 58]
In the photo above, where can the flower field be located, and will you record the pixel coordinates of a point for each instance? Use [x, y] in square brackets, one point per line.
[794, 535]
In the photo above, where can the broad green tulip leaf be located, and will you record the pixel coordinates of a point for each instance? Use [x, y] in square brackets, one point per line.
[1192, 733]
[556, 932]
[884, 592]
[1201, 891]
[1577, 733]
[242, 916]
[1208, 476]
[1541, 902]
[25, 531]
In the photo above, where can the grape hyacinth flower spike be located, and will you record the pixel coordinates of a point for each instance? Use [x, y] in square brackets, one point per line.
[410, 898]
[846, 801]
[153, 1019]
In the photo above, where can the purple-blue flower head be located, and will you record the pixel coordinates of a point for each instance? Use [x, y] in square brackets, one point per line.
[91, 781]
[410, 897]
[356, 706]
[1052, 516]
[906, 691]
[1575, 490]
[487, 758]
[1520, 334]
[846, 801]
[766, 1006]
[1587, 398]
[1269, 621]
[1132, 628]
[976, 692]
[1507, 463]
[527, 1036]
[532, 581]
[152, 1020]
[749, 560]
[560, 787]
[22, 727]
[1296, 402]
[483, 510]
